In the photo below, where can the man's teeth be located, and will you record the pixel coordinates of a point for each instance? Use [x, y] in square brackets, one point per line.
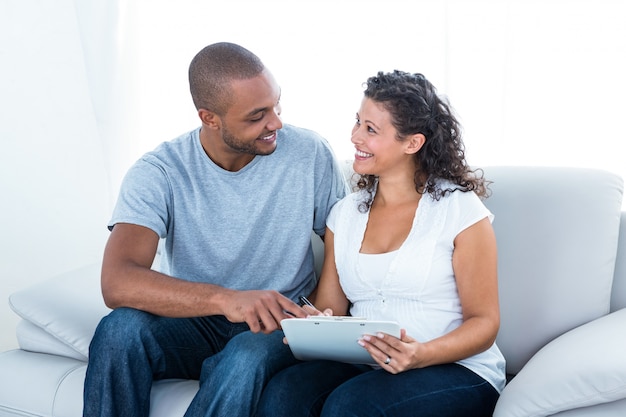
[363, 154]
[268, 137]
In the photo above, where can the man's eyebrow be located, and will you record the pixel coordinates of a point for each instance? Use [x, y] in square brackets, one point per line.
[256, 111]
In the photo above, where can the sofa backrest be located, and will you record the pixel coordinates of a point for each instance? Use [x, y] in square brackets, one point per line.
[557, 232]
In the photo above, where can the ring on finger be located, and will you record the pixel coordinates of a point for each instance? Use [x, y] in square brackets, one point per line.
[388, 360]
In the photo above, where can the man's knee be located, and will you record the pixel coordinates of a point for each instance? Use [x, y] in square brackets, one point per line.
[252, 353]
[257, 347]
[121, 327]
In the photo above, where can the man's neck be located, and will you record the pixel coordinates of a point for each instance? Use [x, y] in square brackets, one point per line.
[222, 155]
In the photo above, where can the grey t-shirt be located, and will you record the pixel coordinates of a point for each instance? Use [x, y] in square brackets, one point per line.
[249, 229]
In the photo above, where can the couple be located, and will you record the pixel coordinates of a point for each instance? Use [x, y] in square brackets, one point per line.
[236, 200]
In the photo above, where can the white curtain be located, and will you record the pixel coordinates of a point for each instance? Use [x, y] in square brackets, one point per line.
[534, 82]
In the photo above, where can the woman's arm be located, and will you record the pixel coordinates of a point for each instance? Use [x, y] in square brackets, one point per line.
[474, 261]
[328, 293]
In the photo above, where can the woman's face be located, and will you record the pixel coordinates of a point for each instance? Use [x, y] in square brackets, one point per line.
[378, 151]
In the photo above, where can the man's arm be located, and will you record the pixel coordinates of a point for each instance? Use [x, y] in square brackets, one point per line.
[128, 281]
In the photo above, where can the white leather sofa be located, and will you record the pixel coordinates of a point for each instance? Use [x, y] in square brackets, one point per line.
[563, 297]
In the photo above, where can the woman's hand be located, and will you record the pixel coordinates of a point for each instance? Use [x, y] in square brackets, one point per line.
[393, 354]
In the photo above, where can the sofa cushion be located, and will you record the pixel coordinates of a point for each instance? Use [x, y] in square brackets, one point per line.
[67, 308]
[581, 368]
[55, 387]
[33, 338]
[32, 384]
[557, 232]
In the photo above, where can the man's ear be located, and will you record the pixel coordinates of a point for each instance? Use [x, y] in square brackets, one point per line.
[209, 119]
[415, 143]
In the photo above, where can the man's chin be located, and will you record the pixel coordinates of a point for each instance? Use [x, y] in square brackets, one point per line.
[265, 149]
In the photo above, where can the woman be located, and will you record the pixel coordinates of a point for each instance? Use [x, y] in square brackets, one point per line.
[413, 244]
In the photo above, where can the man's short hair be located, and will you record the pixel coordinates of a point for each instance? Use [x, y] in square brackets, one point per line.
[212, 70]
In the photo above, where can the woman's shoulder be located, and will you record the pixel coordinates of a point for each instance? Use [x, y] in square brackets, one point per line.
[346, 209]
[350, 201]
[452, 191]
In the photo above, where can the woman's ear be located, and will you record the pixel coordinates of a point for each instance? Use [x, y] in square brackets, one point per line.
[415, 143]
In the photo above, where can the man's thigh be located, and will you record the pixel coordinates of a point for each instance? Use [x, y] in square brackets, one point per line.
[182, 344]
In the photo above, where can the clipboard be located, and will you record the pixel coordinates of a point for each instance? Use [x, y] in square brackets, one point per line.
[333, 337]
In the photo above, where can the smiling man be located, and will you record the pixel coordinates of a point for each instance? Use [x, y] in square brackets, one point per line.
[235, 202]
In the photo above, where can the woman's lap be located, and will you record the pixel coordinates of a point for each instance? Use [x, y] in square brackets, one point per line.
[300, 390]
[441, 391]
[334, 389]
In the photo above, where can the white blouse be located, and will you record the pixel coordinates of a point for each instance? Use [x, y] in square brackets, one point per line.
[416, 285]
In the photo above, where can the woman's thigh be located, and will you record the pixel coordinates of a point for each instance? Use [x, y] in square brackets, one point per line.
[437, 391]
[301, 389]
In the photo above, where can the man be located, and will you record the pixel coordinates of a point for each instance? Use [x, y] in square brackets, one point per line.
[235, 202]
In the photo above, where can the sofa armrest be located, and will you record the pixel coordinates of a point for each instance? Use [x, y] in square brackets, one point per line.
[67, 307]
[583, 367]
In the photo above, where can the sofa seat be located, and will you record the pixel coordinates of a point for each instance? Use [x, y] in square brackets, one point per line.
[57, 389]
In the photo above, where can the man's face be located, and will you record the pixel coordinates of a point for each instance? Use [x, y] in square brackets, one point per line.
[250, 124]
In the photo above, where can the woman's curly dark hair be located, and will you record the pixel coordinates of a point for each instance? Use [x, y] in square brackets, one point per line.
[415, 107]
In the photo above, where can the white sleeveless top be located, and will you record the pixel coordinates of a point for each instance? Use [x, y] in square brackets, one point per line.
[414, 285]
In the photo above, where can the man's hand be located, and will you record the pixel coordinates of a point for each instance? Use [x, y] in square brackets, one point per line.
[312, 311]
[261, 310]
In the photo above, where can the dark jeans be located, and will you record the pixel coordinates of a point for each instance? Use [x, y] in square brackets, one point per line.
[131, 348]
[333, 389]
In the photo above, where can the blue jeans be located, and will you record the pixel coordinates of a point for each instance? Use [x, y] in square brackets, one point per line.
[333, 389]
[131, 348]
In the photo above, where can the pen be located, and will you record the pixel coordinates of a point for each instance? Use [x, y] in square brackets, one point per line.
[304, 300]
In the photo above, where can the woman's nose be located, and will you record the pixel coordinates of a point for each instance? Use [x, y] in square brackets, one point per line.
[355, 137]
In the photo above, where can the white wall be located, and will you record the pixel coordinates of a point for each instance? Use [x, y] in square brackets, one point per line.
[54, 186]
[87, 86]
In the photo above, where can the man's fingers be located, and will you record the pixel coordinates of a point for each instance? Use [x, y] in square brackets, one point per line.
[264, 310]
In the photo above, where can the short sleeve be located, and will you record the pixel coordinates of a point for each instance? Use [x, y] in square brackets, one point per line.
[144, 198]
[330, 186]
[470, 210]
[331, 220]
